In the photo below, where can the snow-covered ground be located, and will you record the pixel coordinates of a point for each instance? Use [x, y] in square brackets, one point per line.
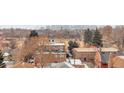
[9, 63]
[76, 62]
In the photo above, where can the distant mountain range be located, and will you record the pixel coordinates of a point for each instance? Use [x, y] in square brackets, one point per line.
[53, 27]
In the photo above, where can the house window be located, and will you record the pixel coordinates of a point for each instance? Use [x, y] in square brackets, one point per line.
[52, 40]
[85, 59]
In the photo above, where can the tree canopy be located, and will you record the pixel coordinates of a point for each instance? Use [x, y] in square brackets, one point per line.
[93, 38]
[72, 44]
[33, 34]
[88, 36]
[97, 39]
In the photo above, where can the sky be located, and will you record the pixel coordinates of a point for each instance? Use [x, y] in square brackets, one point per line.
[44, 26]
[54, 27]
[22, 26]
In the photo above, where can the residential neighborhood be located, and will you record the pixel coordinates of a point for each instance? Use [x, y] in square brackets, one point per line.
[62, 46]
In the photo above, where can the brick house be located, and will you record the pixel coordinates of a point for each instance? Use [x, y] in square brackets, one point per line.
[94, 55]
[57, 51]
[52, 53]
[116, 62]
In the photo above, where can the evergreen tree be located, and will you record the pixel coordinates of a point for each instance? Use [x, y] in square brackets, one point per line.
[2, 65]
[123, 43]
[88, 36]
[97, 39]
[33, 34]
[75, 45]
[72, 44]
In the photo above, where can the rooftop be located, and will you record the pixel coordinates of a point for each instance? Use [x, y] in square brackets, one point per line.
[94, 49]
[57, 44]
[85, 49]
[118, 62]
[122, 57]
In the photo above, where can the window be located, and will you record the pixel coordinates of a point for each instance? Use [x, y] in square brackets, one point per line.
[52, 40]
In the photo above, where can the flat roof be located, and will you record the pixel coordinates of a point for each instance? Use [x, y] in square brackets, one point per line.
[122, 57]
[110, 49]
[85, 49]
[94, 49]
[57, 44]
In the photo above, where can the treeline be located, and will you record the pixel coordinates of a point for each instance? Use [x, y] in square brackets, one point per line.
[93, 38]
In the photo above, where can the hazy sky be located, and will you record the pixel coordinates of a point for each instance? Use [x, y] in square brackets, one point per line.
[22, 26]
[39, 26]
